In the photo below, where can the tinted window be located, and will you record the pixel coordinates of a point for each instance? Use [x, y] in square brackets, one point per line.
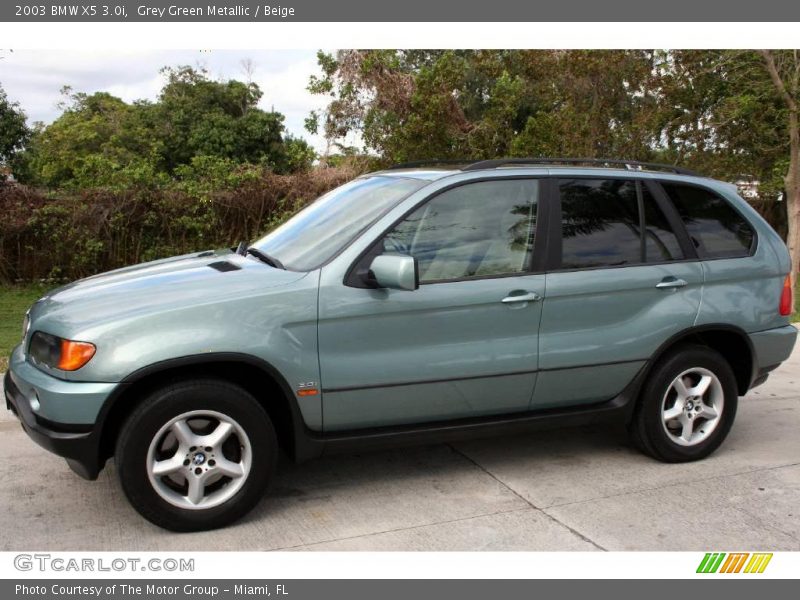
[602, 225]
[661, 243]
[715, 228]
[473, 230]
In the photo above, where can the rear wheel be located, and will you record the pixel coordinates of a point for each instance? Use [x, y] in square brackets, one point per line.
[196, 455]
[687, 406]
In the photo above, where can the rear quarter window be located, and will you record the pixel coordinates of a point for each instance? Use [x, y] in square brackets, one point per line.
[715, 228]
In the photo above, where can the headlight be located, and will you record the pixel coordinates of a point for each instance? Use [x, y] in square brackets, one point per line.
[58, 353]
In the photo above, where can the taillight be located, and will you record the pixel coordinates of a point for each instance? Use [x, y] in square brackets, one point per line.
[785, 306]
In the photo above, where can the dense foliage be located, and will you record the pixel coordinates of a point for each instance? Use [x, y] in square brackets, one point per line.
[111, 182]
[99, 141]
[729, 114]
[14, 132]
[72, 235]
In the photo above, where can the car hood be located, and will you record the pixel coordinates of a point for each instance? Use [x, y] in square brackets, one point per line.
[157, 286]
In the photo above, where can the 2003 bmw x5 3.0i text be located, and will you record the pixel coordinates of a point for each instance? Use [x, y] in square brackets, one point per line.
[421, 303]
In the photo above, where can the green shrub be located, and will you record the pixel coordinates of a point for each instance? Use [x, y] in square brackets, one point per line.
[212, 203]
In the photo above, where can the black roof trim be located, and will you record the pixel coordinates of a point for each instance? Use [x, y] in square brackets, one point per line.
[433, 162]
[469, 165]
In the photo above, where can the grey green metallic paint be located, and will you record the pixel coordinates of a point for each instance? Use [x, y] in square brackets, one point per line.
[391, 357]
[440, 333]
[138, 317]
[398, 272]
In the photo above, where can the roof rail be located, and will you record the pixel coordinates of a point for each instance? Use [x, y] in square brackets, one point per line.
[469, 165]
[631, 165]
[415, 164]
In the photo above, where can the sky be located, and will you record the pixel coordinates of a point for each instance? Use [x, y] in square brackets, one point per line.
[34, 78]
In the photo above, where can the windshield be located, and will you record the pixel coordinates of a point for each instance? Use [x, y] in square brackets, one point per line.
[323, 228]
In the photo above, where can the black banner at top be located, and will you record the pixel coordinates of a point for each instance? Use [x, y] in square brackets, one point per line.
[406, 10]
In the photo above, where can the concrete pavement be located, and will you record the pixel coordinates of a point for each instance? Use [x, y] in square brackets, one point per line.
[571, 489]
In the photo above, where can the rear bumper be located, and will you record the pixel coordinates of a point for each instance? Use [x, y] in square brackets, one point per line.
[77, 445]
[770, 348]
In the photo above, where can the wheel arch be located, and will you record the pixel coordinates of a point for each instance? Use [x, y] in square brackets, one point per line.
[255, 375]
[730, 341]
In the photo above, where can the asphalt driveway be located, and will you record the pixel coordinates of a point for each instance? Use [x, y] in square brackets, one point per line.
[571, 489]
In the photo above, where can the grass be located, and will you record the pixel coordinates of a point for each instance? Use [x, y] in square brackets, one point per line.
[14, 301]
[796, 313]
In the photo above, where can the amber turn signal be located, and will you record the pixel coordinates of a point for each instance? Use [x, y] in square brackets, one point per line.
[74, 355]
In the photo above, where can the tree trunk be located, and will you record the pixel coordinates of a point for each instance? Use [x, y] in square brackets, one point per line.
[792, 180]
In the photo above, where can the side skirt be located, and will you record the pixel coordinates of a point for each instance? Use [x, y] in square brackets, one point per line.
[619, 409]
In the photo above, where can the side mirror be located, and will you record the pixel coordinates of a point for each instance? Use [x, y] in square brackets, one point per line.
[395, 271]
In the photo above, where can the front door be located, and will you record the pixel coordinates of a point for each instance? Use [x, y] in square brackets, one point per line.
[465, 343]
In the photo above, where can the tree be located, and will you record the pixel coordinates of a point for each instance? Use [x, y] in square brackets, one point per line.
[298, 153]
[199, 116]
[482, 104]
[98, 141]
[734, 113]
[14, 132]
[730, 114]
[591, 103]
[783, 67]
[101, 141]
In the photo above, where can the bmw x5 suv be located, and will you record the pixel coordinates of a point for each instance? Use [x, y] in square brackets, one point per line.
[419, 303]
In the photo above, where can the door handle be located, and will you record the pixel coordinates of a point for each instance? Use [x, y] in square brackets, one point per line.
[525, 297]
[669, 283]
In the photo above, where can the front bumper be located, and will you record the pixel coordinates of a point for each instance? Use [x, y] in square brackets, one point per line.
[78, 443]
[58, 399]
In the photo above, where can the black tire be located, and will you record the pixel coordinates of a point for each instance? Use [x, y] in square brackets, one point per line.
[647, 429]
[175, 399]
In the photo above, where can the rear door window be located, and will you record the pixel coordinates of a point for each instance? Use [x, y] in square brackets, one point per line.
[661, 243]
[613, 222]
[715, 228]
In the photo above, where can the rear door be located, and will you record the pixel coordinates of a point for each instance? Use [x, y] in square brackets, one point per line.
[742, 280]
[622, 280]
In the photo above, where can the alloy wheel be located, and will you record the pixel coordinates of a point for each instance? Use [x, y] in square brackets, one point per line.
[199, 459]
[692, 406]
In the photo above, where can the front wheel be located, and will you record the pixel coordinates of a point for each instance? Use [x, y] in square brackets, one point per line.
[687, 406]
[196, 455]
